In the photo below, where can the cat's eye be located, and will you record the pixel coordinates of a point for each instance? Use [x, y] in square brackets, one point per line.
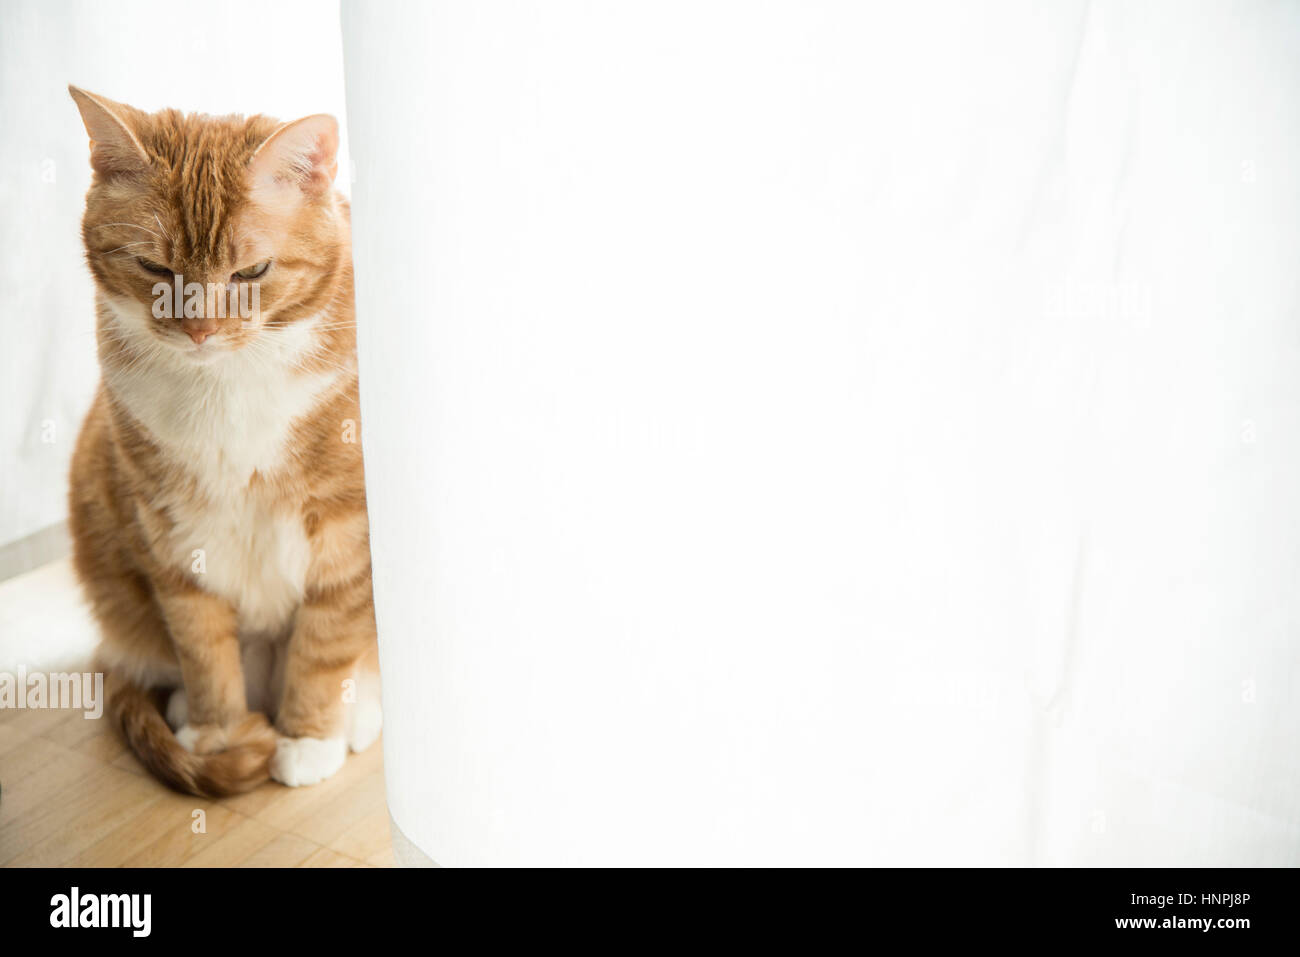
[253, 272]
[148, 265]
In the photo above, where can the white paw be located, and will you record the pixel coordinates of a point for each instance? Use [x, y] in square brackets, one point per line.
[302, 761]
[186, 735]
[365, 715]
[178, 709]
[365, 722]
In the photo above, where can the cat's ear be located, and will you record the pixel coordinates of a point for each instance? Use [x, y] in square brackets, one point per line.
[114, 149]
[303, 153]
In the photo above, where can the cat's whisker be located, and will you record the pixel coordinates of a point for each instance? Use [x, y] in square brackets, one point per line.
[142, 242]
[166, 234]
[128, 225]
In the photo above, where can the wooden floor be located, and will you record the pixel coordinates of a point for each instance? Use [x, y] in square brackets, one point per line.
[71, 794]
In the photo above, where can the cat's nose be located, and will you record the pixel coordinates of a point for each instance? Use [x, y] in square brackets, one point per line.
[198, 328]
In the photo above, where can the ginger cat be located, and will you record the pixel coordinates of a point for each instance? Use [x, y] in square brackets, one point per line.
[217, 499]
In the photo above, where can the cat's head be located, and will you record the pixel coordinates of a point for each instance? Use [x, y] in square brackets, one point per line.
[206, 233]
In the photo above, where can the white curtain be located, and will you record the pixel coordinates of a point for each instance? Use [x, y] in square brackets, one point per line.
[811, 432]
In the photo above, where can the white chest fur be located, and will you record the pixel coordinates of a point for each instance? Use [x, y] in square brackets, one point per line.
[224, 422]
[252, 556]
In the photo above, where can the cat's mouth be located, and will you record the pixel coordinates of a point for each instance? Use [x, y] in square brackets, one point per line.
[205, 353]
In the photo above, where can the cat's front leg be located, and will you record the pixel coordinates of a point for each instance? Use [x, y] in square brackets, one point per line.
[204, 632]
[333, 631]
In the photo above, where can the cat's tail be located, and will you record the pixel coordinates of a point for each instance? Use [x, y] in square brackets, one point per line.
[243, 765]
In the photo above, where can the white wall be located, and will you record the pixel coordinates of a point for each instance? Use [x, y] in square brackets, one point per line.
[829, 432]
[280, 58]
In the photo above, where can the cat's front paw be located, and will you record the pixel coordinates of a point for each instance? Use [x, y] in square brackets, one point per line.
[365, 721]
[178, 710]
[188, 737]
[302, 761]
[203, 738]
